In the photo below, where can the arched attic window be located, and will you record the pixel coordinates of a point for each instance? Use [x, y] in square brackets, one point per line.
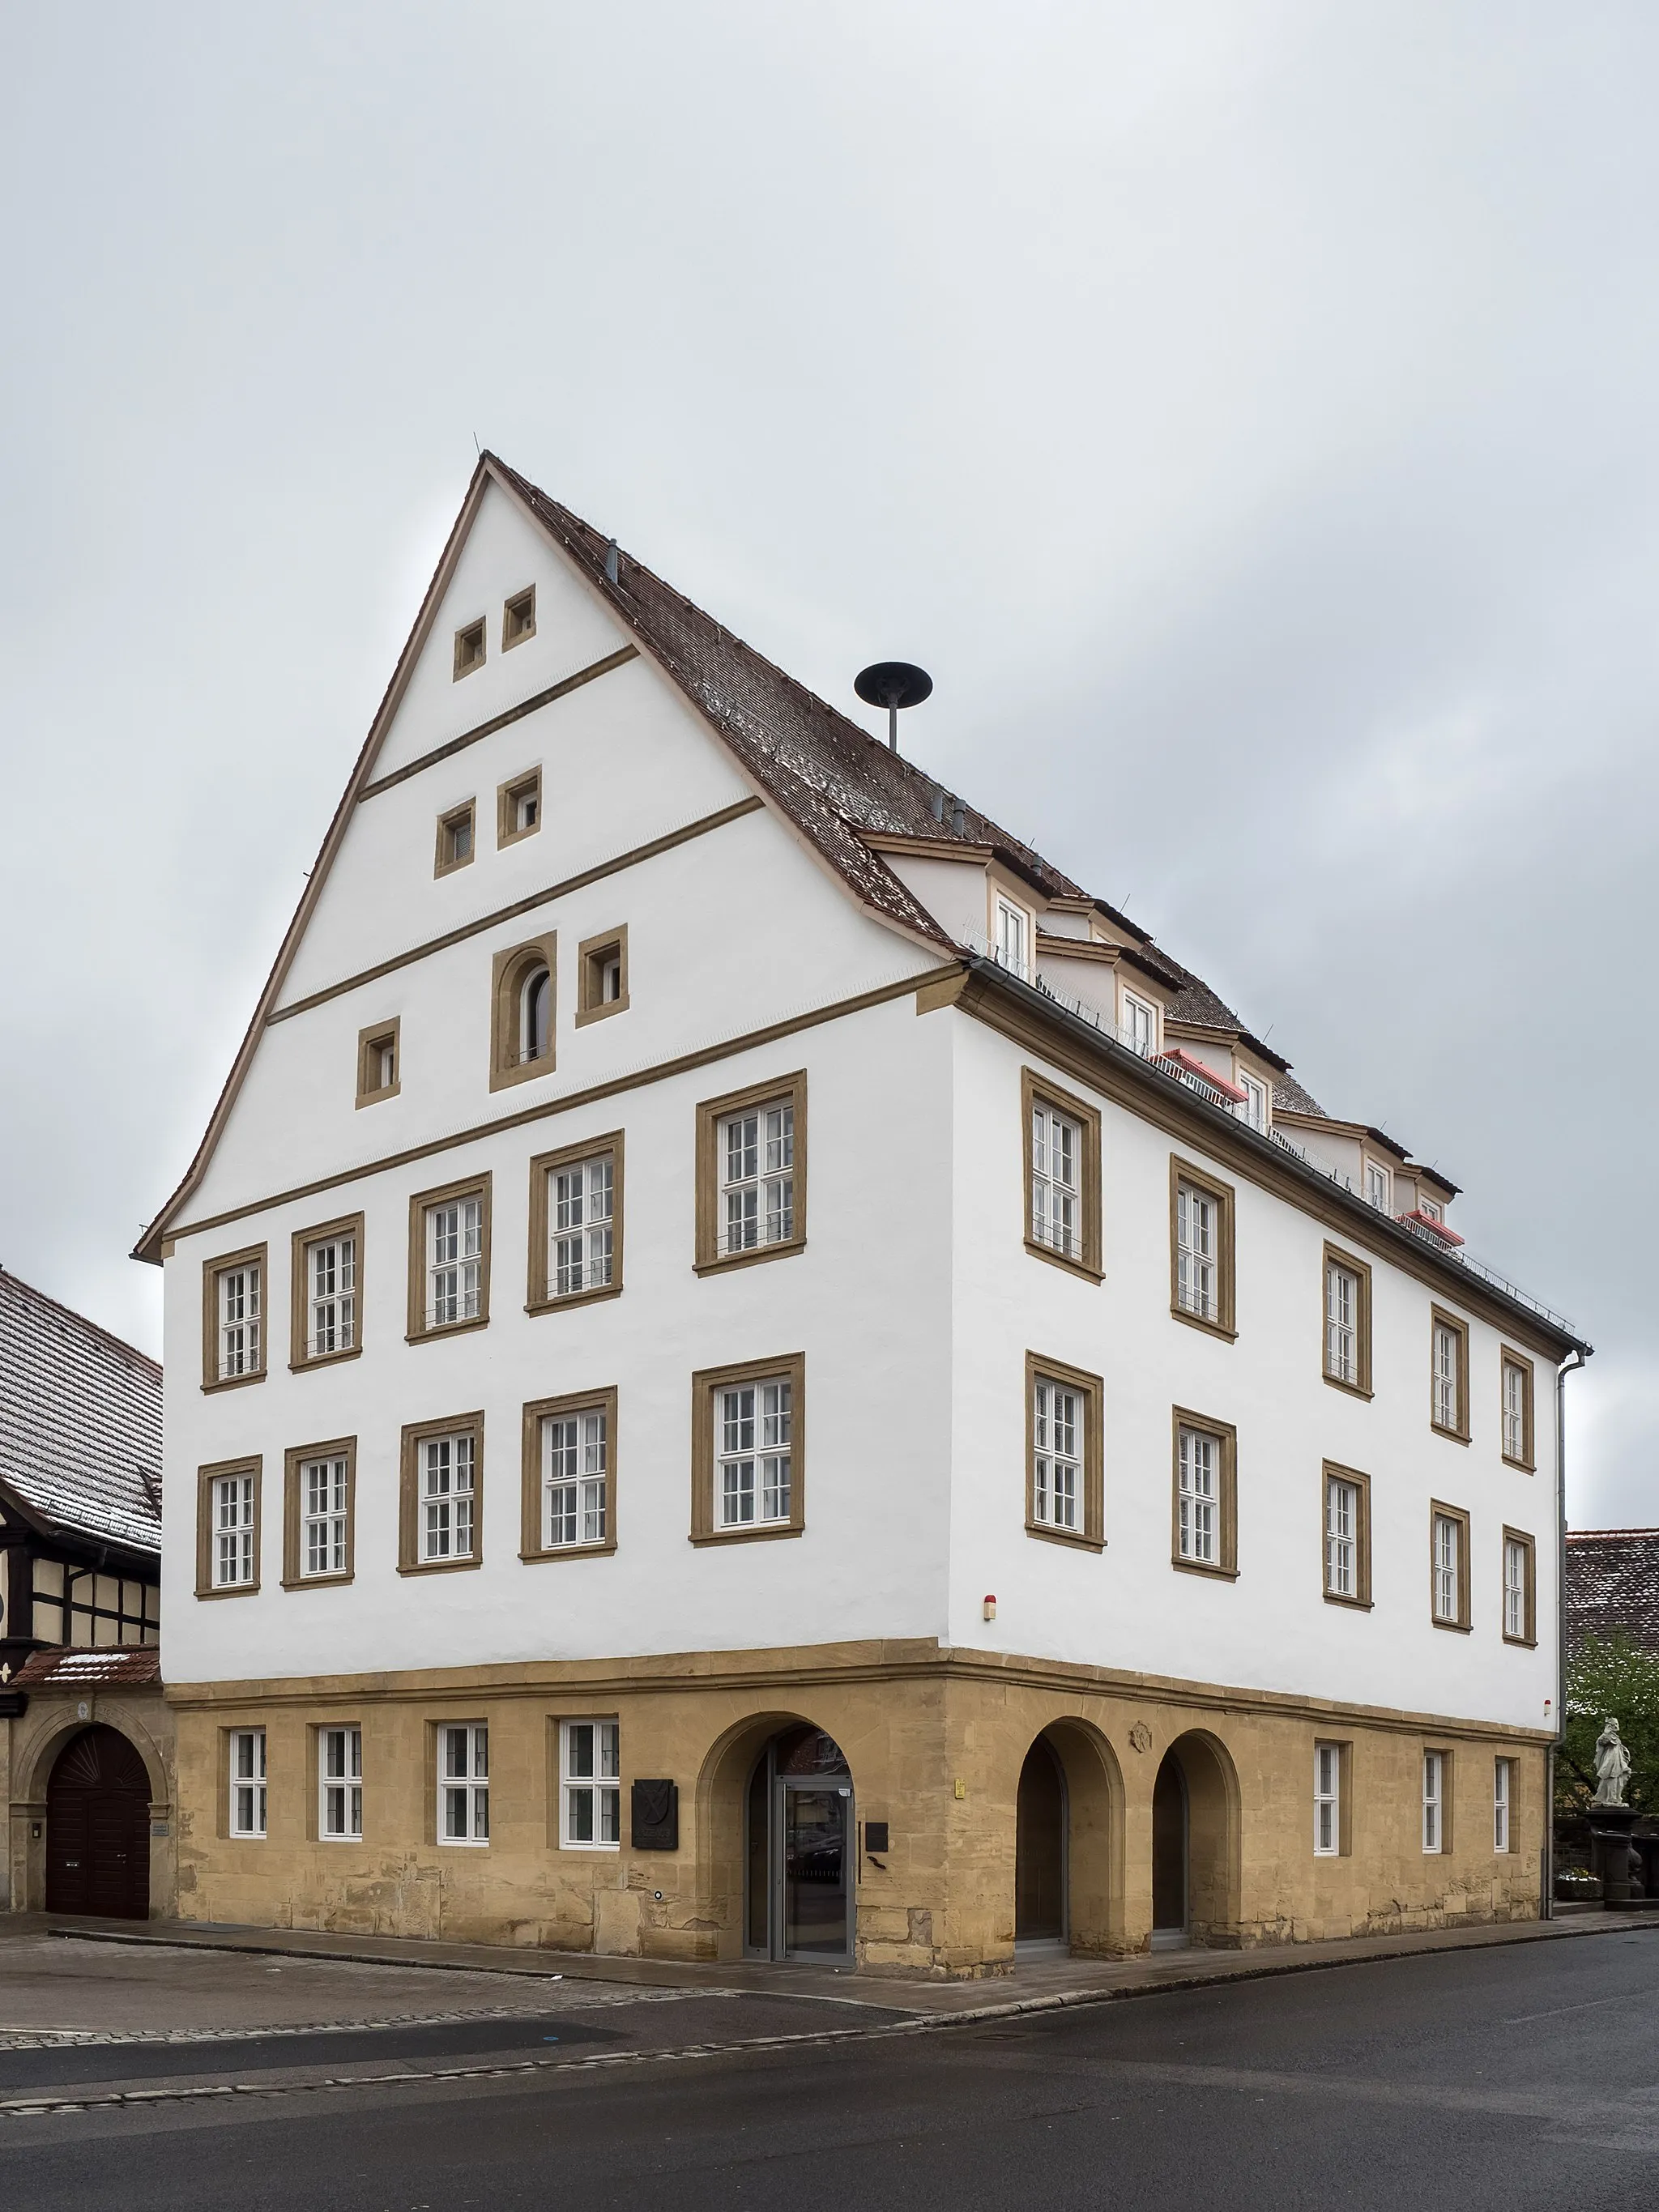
[522, 1017]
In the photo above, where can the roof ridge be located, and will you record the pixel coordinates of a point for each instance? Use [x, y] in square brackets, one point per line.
[84, 1321]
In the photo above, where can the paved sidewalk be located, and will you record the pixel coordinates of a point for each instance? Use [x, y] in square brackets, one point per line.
[388, 1977]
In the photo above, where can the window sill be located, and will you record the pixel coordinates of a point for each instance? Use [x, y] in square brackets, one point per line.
[568, 1552]
[1220, 1329]
[728, 1261]
[516, 836]
[587, 1014]
[232, 1382]
[1354, 1604]
[1451, 1435]
[1522, 1642]
[1041, 1251]
[1456, 1627]
[1075, 1539]
[1197, 1567]
[454, 867]
[461, 1842]
[438, 1566]
[769, 1534]
[525, 1070]
[228, 1590]
[374, 1098]
[587, 1847]
[324, 1360]
[447, 1328]
[1521, 1466]
[1351, 1389]
[573, 1298]
[318, 1581]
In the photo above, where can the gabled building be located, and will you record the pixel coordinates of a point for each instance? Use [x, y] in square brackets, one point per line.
[85, 1740]
[1064, 1503]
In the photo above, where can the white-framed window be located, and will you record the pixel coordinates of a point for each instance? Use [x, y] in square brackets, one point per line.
[590, 1786]
[575, 1477]
[1342, 1525]
[1056, 1180]
[247, 1782]
[1503, 1786]
[239, 1320]
[331, 1296]
[756, 1152]
[463, 1783]
[454, 1261]
[580, 1213]
[1448, 1350]
[233, 1530]
[339, 1784]
[753, 1447]
[1515, 1410]
[1447, 1567]
[1327, 1799]
[1431, 1209]
[1254, 1107]
[1013, 946]
[1197, 1223]
[1139, 1026]
[1058, 1415]
[1198, 1516]
[1379, 1191]
[1434, 1779]
[1514, 1589]
[325, 1511]
[449, 1471]
[381, 1064]
[535, 1014]
[1341, 1322]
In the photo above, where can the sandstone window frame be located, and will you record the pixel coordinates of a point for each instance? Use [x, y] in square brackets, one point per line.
[713, 1115]
[1462, 1622]
[511, 798]
[518, 618]
[540, 1296]
[513, 973]
[595, 1783]
[300, 1358]
[534, 1548]
[1037, 1090]
[707, 1384]
[1439, 1319]
[471, 648]
[255, 1257]
[1333, 1834]
[346, 1779]
[1437, 1769]
[372, 1043]
[246, 1801]
[1337, 1258]
[294, 1461]
[415, 1435]
[1528, 1637]
[1511, 1362]
[1506, 1769]
[456, 842]
[249, 1466]
[1090, 1534]
[463, 1787]
[595, 956]
[1223, 1322]
[1360, 1600]
[1225, 1566]
[420, 1329]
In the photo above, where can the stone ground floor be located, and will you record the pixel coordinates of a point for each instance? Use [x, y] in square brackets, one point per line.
[895, 1807]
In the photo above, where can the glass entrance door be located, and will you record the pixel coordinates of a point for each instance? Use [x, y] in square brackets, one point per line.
[815, 1869]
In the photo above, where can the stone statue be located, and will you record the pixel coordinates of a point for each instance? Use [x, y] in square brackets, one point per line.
[1611, 1766]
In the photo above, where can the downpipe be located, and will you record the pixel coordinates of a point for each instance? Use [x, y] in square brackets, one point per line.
[1546, 1901]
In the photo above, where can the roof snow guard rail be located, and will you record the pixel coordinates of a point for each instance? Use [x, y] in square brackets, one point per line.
[1184, 1074]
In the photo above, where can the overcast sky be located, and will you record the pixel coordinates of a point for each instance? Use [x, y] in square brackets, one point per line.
[1246, 412]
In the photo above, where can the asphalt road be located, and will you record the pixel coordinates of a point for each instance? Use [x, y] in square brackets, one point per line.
[1513, 2078]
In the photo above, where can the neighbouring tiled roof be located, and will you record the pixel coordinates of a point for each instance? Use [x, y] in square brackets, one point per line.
[80, 1422]
[1290, 1097]
[1613, 1585]
[128, 1667]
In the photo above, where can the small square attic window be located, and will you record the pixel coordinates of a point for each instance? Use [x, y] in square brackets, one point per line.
[469, 649]
[518, 618]
[519, 808]
[454, 840]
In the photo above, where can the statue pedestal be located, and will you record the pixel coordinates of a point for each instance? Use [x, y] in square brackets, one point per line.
[1610, 1853]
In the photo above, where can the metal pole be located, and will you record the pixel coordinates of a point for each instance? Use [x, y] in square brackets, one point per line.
[1547, 1903]
[892, 723]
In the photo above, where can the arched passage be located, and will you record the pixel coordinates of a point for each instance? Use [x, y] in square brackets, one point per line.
[1068, 1859]
[97, 1801]
[800, 1852]
[1194, 1844]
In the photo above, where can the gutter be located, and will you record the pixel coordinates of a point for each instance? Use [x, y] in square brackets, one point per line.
[1569, 1366]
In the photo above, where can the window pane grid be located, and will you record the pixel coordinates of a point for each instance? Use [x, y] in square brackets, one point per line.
[575, 1451]
[239, 1322]
[464, 1784]
[753, 1430]
[757, 1178]
[1447, 1533]
[448, 1496]
[1198, 1500]
[581, 1210]
[1514, 1589]
[332, 1306]
[1500, 1805]
[233, 1530]
[1056, 1193]
[1196, 1252]
[1341, 1537]
[1432, 1775]
[340, 1784]
[1515, 1412]
[324, 1505]
[247, 1782]
[1057, 1420]
[1445, 1377]
[589, 1782]
[1327, 1783]
[1342, 1324]
[454, 1260]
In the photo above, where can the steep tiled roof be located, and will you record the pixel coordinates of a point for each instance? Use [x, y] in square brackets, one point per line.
[1613, 1585]
[80, 1422]
[128, 1667]
[1290, 1097]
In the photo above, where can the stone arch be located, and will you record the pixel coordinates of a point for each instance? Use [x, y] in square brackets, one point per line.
[1209, 1782]
[38, 1740]
[720, 1815]
[1094, 1829]
[42, 1750]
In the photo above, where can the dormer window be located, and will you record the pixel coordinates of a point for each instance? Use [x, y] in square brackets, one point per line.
[1139, 1026]
[1254, 1108]
[1431, 1209]
[518, 618]
[1378, 1186]
[1013, 939]
[469, 649]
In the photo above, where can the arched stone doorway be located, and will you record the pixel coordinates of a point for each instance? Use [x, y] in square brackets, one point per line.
[1194, 1846]
[98, 1827]
[800, 1855]
[1040, 1841]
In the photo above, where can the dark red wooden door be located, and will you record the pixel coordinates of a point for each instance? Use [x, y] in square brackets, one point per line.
[97, 1828]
